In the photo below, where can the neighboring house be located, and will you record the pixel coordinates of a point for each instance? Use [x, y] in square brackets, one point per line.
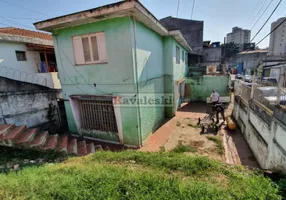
[28, 56]
[192, 30]
[116, 65]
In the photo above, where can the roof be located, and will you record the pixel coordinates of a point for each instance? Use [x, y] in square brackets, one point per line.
[26, 33]
[131, 8]
[12, 34]
[254, 51]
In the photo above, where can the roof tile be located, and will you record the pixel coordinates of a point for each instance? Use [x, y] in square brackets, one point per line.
[26, 33]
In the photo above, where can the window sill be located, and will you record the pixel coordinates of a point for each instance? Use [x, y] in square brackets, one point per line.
[93, 63]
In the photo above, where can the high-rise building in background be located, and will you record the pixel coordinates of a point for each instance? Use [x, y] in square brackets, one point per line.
[277, 42]
[238, 36]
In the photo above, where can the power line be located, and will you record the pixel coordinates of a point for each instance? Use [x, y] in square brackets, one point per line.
[193, 8]
[24, 8]
[262, 14]
[264, 37]
[24, 18]
[270, 32]
[267, 20]
[178, 7]
[5, 24]
[12, 21]
[256, 6]
[262, 25]
[260, 9]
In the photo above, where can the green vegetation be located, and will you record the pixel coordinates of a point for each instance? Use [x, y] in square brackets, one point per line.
[219, 145]
[136, 175]
[180, 148]
[26, 158]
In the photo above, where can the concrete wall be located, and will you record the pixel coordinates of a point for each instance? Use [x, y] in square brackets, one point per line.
[201, 87]
[212, 54]
[150, 68]
[113, 78]
[27, 104]
[7, 53]
[264, 131]
[192, 30]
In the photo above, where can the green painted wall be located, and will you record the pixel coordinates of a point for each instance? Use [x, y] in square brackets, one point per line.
[179, 69]
[201, 87]
[150, 65]
[169, 70]
[116, 77]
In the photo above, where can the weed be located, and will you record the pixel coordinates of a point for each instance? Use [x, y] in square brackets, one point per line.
[180, 148]
[108, 175]
[218, 142]
[194, 126]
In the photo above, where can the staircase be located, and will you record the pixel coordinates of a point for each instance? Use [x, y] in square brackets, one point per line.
[21, 137]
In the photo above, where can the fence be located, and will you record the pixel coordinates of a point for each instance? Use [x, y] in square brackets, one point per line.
[268, 93]
[16, 74]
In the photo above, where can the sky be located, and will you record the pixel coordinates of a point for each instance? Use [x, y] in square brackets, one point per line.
[219, 16]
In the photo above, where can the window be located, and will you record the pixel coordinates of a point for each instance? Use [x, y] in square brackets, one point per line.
[97, 114]
[89, 49]
[21, 55]
[183, 56]
[177, 55]
[186, 58]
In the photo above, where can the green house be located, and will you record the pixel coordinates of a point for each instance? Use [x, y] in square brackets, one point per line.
[122, 72]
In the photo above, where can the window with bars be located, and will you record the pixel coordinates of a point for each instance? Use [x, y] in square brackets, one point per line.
[97, 114]
[89, 49]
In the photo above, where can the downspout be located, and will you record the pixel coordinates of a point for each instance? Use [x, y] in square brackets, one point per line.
[136, 80]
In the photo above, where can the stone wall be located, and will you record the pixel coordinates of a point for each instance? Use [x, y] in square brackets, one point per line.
[264, 131]
[27, 104]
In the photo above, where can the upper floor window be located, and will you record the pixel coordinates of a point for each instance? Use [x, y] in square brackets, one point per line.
[21, 55]
[177, 55]
[89, 49]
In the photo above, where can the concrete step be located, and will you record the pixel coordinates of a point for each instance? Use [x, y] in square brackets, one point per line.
[90, 148]
[81, 148]
[63, 143]
[10, 138]
[72, 146]
[39, 139]
[4, 129]
[51, 142]
[27, 136]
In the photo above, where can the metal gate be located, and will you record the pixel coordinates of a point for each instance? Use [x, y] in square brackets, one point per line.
[97, 114]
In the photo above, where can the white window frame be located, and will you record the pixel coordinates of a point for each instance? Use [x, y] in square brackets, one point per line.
[101, 49]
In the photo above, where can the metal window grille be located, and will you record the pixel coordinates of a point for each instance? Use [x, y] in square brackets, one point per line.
[97, 114]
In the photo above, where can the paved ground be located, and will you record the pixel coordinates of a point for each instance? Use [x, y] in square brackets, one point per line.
[182, 128]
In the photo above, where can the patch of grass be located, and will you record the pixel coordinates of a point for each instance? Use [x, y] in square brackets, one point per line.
[181, 148]
[193, 125]
[135, 175]
[218, 142]
[26, 157]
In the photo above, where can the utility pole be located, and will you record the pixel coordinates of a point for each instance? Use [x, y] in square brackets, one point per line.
[178, 7]
[193, 9]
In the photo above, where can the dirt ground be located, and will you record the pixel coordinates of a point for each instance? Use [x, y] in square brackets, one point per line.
[187, 132]
[183, 129]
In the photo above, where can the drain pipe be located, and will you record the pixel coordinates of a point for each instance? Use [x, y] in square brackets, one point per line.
[136, 80]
